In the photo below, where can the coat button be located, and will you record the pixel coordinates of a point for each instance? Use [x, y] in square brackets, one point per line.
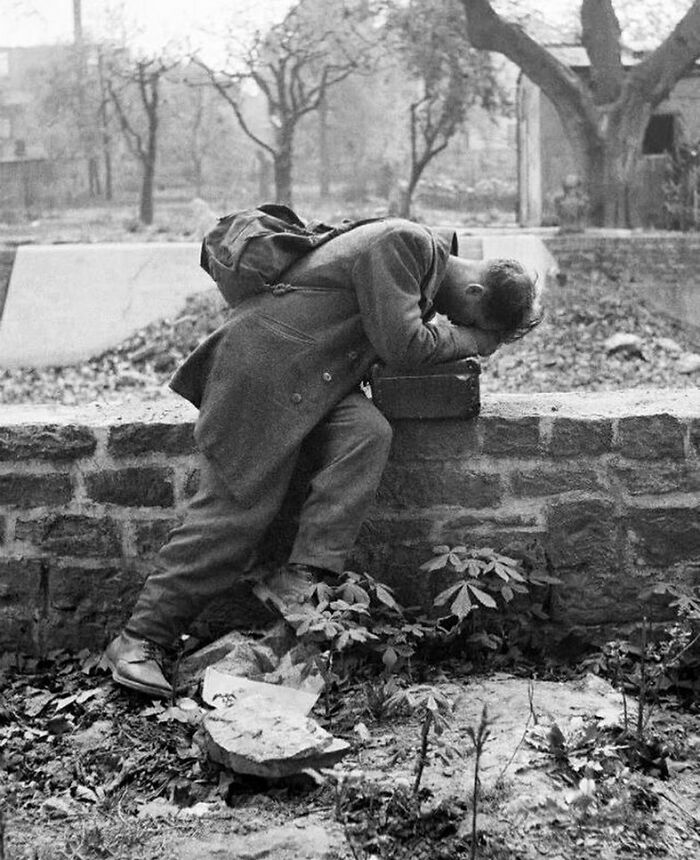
[296, 397]
[327, 376]
[352, 355]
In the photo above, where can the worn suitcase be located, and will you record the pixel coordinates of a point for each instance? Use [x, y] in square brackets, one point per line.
[448, 390]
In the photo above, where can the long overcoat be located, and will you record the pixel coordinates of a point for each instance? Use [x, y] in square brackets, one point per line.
[265, 378]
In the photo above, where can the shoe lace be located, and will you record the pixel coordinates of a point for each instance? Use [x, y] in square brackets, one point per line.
[153, 651]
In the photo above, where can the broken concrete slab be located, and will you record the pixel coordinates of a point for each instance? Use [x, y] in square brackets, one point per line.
[220, 690]
[277, 658]
[250, 739]
[236, 653]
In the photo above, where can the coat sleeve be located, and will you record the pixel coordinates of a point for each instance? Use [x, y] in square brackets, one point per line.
[387, 278]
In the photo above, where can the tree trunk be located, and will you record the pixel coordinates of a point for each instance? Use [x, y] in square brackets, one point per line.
[146, 204]
[283, 167]
[264, 192]
[324, 167]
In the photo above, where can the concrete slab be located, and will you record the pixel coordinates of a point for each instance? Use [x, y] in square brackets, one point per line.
[67, 303]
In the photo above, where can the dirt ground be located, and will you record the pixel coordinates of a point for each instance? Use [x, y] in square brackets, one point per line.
[91, 771]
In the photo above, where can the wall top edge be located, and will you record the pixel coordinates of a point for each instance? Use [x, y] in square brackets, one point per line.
[683, 403]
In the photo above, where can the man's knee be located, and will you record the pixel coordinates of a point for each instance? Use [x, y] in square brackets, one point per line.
[379, 432]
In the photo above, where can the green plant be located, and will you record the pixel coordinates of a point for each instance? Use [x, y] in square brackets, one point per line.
[358, 616]
[434, 711]
[486, 580]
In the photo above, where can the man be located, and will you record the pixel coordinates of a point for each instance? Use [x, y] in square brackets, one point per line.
[283, 374]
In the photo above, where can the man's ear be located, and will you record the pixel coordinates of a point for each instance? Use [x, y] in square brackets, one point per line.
[475, 289]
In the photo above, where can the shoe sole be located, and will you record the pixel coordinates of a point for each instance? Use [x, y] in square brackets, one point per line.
[155, 692]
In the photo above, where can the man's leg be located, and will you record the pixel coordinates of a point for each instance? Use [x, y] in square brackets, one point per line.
[200, 561]
[350, 448]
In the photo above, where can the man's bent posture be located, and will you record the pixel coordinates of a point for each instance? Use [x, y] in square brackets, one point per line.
[284, 374]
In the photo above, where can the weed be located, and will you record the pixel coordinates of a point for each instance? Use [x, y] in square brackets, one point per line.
[486, 580]
[478, 737]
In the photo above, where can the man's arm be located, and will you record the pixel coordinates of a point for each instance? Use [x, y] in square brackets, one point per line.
[387, 280]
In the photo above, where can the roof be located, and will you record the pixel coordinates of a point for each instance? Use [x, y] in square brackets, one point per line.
[577, 56]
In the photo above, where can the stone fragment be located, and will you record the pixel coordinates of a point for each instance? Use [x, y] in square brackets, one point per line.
[689, 363]
[236, 654]
[220, 689]
[247, 738]
[669, 345]
[628, 345]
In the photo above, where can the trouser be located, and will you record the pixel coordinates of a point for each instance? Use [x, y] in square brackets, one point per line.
[217, 541]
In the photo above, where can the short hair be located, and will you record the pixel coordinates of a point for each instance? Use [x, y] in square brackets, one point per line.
[510, 298]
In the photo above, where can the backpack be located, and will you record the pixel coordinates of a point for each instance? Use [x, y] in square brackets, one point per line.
[249, 251]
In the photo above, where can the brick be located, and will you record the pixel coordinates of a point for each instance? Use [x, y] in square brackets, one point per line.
[128, 440]
[87, 604]
[71, 535]
[441, 484]
[3, 530]
[599, 595]
[192, 483]
[510, 437]
[663, 536]
[650, 437]
[434, 440]
[20, 584]
[138, 486]
[150, 536]
[582, 534]
[461, 524]
[548, 482]
[407, 530]
[46, 442]
[28, 491]
[572, 437]
[659, 478]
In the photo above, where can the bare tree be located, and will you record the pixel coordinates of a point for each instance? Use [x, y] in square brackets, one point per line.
[450, 79]
[134, 88]
[605, 115]
[294, 65]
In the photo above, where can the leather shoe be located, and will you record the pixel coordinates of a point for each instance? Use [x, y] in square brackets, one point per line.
[288, 588]
[138, 664]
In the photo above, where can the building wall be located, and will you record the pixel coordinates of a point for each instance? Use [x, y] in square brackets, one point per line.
[546, 154]
[609, 486]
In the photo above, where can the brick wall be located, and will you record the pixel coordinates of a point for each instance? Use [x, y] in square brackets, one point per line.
[608, 483]
[655, 258]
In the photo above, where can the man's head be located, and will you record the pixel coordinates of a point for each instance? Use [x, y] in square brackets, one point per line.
[493, 295]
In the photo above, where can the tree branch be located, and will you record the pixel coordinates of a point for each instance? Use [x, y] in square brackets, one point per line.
[489, 32]
[601, 38]
[655, 76]
[223, 92]
[133, 139]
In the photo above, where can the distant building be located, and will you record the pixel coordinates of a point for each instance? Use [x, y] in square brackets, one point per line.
[26, 173]
[545, 158]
